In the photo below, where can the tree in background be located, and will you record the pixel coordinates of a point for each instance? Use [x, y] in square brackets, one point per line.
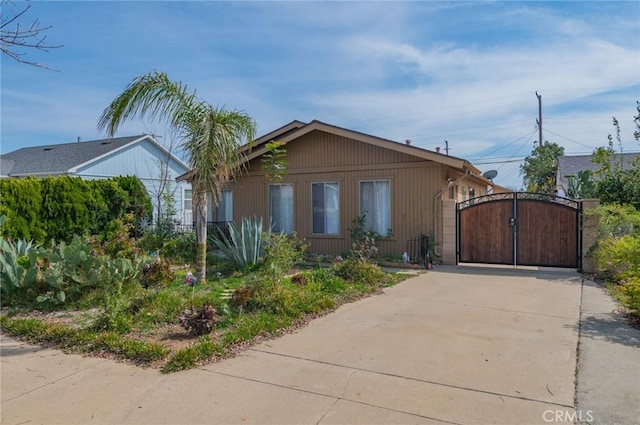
[211, 138]
[17, 37]
[274, 162]
[614, 182]
[539, 168]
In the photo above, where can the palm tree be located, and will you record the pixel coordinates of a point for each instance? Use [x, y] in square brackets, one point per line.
[211, 138]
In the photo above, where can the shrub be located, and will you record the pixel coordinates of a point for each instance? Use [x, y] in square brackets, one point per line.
[282, 252]
[140, 204]
[363, 240]
[180, 247]
[616, 220]
[22, 205]
[359, 271]
[199, 321]
[61, 207]
[618, 258]
[67, 207]
[241, 297]
[328, 280]
[629, 294]
[156, 273]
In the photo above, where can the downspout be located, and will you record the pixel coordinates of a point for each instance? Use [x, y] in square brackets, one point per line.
[435, 210]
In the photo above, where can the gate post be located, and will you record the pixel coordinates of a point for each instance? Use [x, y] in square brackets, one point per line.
[449, 236]
[589, 233]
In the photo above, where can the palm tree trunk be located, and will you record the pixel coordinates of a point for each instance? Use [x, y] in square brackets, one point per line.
[200, 207]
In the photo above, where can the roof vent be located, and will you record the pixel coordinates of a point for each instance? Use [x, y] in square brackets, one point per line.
[79, 139]
[47, 149]
[106, 142]
[408, 141]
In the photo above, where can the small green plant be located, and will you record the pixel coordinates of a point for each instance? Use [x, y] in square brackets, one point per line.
[328, 281]
[360, 271]
[18, 265]
[245, 247]
[241, 297]
[282, 252]
[115, 274]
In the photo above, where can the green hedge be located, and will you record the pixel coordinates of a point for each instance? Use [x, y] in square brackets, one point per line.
[60, 207]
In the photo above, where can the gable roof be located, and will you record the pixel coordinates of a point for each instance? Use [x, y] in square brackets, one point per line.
[259, 147]
[296, 129]
[570, 165]
[276, 134]
[66, 158]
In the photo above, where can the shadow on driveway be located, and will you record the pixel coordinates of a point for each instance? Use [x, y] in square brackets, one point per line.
[545, 273]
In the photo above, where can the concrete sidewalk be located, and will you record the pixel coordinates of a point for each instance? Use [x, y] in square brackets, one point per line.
[608, 390]
[462, 346]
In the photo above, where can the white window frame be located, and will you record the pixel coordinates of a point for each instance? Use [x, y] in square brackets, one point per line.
[324, 206]
[290, 215]
[187, 213]
[381, 232]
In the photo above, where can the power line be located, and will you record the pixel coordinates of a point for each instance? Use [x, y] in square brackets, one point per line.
[521, 146]
[504, 161]
[566, 138]
[484, 156]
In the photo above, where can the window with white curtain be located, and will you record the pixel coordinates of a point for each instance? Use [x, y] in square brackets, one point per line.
[375, 203]
[224, 211]
[281, 207]
[325, 209]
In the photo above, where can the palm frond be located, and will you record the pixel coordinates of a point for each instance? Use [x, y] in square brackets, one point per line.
[213, 146]
[152, 96]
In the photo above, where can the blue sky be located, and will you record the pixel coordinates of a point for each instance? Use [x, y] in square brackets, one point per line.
[466, 72]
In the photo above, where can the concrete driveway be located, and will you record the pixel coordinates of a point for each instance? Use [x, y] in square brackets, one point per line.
[455, 345]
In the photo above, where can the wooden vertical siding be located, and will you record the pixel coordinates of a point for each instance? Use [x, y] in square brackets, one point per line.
[324, 157]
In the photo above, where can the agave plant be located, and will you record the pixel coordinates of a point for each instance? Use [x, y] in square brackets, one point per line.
[245, 246]
[18, 267]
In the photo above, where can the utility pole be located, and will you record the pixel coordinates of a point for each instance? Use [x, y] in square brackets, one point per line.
[539, 120]
[446, 148]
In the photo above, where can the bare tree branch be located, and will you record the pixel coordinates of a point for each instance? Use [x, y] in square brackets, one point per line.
[17, 38]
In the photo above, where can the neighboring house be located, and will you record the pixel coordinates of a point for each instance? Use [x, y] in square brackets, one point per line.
[335, 174]
[140, 156]
[570, 165]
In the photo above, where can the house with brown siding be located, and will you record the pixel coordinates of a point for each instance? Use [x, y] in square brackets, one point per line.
[335, 174]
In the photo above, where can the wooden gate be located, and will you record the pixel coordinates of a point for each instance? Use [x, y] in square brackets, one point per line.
[519, 228]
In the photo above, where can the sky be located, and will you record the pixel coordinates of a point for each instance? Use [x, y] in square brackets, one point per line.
[465, 72]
